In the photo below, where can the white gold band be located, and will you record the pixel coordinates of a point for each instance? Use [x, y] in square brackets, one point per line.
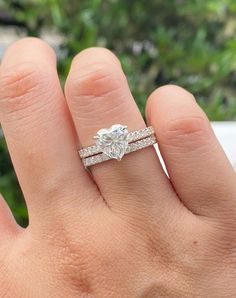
[132, 147]
[131, 137]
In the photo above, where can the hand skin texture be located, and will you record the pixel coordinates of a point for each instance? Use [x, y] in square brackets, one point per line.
[126, 230]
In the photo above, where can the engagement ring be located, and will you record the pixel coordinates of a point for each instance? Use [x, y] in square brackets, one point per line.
[115, 142]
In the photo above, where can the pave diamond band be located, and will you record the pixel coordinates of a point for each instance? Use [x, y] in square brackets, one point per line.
[132, 147]
[131, 137]
[115, 142]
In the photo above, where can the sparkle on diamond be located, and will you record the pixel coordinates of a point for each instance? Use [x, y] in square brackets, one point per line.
[113, 141]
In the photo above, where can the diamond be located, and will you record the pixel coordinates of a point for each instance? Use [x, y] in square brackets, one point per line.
[113, 141]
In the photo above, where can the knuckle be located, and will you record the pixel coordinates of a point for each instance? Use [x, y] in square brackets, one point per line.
[186, 125]
[19, 87]
[186, 132]
[18, 81]
[99, 80]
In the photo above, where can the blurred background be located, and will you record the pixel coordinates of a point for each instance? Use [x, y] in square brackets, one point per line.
[190, 43]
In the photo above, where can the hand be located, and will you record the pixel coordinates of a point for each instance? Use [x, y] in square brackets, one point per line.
[126, 230]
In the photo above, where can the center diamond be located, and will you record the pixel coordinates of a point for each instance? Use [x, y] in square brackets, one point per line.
[113, 141]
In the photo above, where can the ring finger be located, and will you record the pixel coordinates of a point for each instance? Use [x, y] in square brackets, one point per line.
[98, 97]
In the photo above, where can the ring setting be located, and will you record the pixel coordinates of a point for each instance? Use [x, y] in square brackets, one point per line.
[115, 142]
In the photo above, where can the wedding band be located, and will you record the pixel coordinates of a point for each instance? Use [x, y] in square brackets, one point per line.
[115, 142]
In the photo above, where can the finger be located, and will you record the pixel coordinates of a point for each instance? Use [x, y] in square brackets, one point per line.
[38, 129]
[198, 168]
[98, 97]
[8, 225]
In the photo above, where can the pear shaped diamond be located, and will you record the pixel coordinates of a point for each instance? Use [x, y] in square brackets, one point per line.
[113, 141]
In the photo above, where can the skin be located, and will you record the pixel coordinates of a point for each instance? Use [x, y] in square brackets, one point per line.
[126, 229]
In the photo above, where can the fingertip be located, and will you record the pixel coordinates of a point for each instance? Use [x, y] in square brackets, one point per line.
[96, 54]
[165, 93]
[27, 48]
